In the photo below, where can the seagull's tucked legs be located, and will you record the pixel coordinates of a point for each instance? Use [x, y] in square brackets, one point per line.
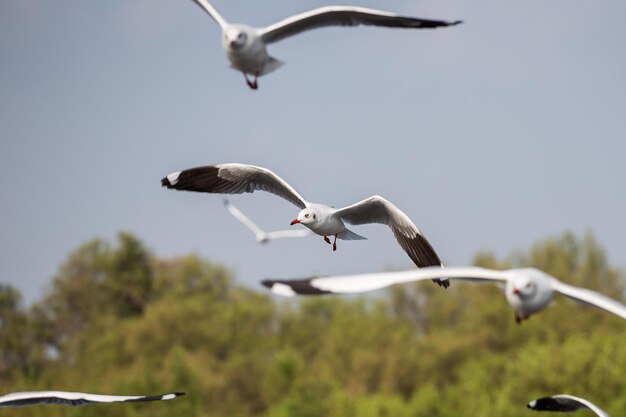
[327, 240]
[519, 318]
[252, 84]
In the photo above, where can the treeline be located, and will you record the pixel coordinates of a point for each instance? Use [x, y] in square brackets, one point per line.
[118, 319]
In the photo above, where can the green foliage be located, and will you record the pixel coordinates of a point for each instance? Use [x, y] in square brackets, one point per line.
[127, 322]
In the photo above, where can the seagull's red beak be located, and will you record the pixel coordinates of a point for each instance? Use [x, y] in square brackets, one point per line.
[294, 221]
[516, 291]
[231, 43]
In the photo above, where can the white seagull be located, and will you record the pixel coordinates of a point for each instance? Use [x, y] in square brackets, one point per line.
[565, 403]
[19, 399]
[528, 290]
[323, 220]
[246, 47]
[261, 235]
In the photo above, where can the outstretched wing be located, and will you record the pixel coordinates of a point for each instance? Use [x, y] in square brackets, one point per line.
[232, 179]
[350, 284]
[344, 16]
[242, 217]
[590, 297]
[279, 234]
[376, 209]
[19, 399]
[258, 231]
[564, 403]
[212, 11]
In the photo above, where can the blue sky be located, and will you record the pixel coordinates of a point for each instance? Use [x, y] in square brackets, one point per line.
[490, 135]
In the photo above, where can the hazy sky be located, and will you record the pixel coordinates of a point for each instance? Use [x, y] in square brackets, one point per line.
[490, 135]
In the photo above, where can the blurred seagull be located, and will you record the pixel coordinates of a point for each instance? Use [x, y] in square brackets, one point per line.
[565, 403]
[321, 219]
[19, 399]
[262, 236]
[246, 47]
[527, 290]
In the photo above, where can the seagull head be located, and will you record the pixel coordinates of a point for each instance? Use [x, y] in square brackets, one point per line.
[235, 37]
[306, 217]
[523, 286]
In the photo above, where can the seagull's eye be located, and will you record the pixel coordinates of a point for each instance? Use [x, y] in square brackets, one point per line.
[314, 216]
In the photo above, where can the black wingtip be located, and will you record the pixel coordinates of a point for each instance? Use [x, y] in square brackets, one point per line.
[442, 282]
[456, 22]
[297, 286]
[553, 404]
[166, 183]
[179, 394]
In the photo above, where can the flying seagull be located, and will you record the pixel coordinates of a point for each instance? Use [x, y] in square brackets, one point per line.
[565, 403]
[19, 399]
[323, 220]
[246, 46]
[527, 290]
[262, 236]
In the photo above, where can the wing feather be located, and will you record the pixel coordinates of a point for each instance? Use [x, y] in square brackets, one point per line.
[376, 209]
[350, 284]
[212, 11]
[565, 403]
[236, 213]
[19, 399]
[233, 179]
[590, 297]
[344, 16]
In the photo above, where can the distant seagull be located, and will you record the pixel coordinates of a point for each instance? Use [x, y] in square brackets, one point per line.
[565, 403]
[246, 47]
[321, 219]
[527, 290]
[19, 399]
[262, 236]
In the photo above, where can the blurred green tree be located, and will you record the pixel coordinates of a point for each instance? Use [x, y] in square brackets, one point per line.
[119, 320]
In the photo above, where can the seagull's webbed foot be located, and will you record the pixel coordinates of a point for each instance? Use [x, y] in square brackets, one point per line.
[251, 83]
[326, 239]
[334, 243]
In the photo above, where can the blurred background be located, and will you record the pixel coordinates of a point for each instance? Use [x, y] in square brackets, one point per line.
[501, 138]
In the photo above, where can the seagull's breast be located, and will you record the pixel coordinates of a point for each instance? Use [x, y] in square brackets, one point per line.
[327, 226]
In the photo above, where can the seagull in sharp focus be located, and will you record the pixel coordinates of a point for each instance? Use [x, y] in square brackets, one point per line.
[246, 46]
[321, 219]
[19, 399]
[565, 403]
[528, 290]
[262, 236]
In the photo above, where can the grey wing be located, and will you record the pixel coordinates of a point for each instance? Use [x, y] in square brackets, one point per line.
[351, 284]
[278, 234]
[344, 16]
[564, 403]
[19, 399]
[376, 209]
[257, 230]
[236, 213]
[212, 11]
[590, 297]
[232, 179]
